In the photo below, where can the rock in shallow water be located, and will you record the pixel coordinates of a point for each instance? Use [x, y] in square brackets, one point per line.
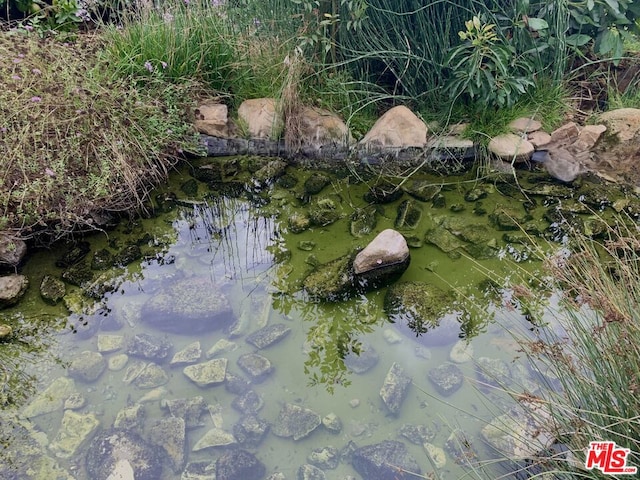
[394, 388]
[388, 460]
[295, 421]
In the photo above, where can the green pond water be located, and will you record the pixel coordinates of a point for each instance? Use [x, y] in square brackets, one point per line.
[242, 245]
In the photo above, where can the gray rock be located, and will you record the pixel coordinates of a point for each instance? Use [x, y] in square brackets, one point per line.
[146, 346]
[447, 378]
[395, 388]
[74, 401]
[75, 430]
[12, 288]
[417, 434]
[52, 289]
[256, 366]
[111, 446]
[388, 460]
[109, 343]
[236, 384]
[12, 251]
[310, 472]
[295, 421]
[87, 366]
[213, 438]
[208, 373]
[363, 361]
[269, 335]
[192, 305]
[248, 402]
[151, 376]
[332, 423]
[326, 458]
[199, 471]
[250, 430]
[190, 410]
[384, 259]
[493, 372]
[131, 418]
[188, 355]
[170, 434]
[239, 464]
[363, 221]
[460, 448]
[50, 399]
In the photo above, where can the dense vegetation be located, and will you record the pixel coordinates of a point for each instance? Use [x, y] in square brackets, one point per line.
[95, 108]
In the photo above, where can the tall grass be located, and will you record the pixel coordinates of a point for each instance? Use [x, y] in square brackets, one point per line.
[592, 365]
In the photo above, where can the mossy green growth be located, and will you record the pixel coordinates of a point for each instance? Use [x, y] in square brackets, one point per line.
[331, 281]
[420, 304]
[324, 212]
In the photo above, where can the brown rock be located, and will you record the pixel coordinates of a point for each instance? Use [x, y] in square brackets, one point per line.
[211, 119]
[525, 125]
[511, 146]
[539, 139]
[12, 288]
[588, 138]
[320, 127]
[624, 123]
[398, 128]
[12, 250]
[260, 117]
[566, 133]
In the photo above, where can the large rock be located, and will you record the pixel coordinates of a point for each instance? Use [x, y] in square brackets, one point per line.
[260, 117]
[75, 430]
[395, 388]
[149, 347]
[208, 373]
[268, 335]
[214, 438]
[192, 305]
[397, 128]
[320, 127]
[623, 123]
[295, 422]
[239, 465]
[331, 281]
[510, 147]
[12, 251]
[211, 119]
[112, 446]
[250, 430]
[52, 398]
[12, 288]
[87, 366]
[384, 259]
[447, 378]
[190, 410]
[188, 355]
[388, 460]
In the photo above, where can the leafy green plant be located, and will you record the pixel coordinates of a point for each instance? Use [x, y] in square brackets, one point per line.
[485, 68]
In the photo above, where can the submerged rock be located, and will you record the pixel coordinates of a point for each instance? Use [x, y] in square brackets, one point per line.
[239, 464]
[363, 361]
[149, 347]
[208, 373]
[331, 281]
[409, 215]
[215, 437]
[170, 435]
[363, 221]
[52, 290]
[190, 410]
[395, 388]
[269, 335]
[191, 305]
[75, 430]
[250, 430]
[256, 366]
[310, 472]
[422, 190]
[295, 421]
[315, 183]
[388, 460]
[447, 378]
[111, 446]
[324, 212]
[188, 355]
[51, 399]
[87, 366]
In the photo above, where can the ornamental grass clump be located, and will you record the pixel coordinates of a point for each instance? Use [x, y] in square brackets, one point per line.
[592, 363]
[74, 140]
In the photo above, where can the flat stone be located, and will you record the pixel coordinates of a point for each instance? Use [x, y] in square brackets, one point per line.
[199, 471]
[110, 343]
[131, 418]
[447, 378]
[510, 147]
[221, 346]
[310, 472]
[566, 133]
[215, 437]
[75, 401]
[190, 409]
[395, 387]
[149, 347]
[250, 430]
[50, 399]
[493, 371]
[388, 460]
[269, 335]
[295, 422]
[152, 376]
[188, 355]
[248, 402]
[539, 139]
[256, 366]
[525, 125]
[588, 138]
[117, 362]
[362, 362]
[208, 373]
[75, 430]
[461, 352]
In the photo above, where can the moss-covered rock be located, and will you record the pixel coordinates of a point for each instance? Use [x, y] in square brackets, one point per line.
[270, 172]
[102, 260]
[422, 190]
[127, 255]
[509, 218]
[190, 187]
[363, 221]
[315, 183]
[443, 239]
[409, 215]
[383, 192]
[12, 288]
[79, 274]
[331, 281]
[73, 255]
[323, 212]
[52, 290]
[299, 222]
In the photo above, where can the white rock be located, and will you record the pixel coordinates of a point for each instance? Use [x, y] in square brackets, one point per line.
[388, 248]
[397, 128]
[510, 147]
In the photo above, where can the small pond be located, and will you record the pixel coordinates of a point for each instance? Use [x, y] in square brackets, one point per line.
[143, 378]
